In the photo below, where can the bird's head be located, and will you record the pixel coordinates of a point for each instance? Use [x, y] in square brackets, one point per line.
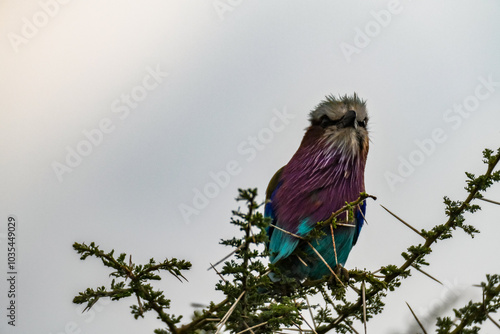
[341, 124]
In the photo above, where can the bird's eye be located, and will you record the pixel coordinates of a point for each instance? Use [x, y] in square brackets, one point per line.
[362, 123]
[325, 121]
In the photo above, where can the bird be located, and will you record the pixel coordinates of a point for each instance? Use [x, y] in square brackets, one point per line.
[325, 173]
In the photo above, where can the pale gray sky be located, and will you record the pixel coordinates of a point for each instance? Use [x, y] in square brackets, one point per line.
[180, 90]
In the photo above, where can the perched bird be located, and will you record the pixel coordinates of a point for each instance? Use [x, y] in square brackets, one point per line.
[326, 172]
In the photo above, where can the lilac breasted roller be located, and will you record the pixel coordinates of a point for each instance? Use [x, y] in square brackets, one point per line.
[326, 172]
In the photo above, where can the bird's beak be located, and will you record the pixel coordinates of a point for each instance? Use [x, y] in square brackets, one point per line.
[349, 120]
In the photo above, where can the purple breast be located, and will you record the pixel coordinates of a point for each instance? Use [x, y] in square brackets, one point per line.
[317, 181]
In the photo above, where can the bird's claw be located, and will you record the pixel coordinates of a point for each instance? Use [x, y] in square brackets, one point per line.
[341, 272]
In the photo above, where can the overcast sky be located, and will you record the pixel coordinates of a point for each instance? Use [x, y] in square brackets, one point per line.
[133, 124]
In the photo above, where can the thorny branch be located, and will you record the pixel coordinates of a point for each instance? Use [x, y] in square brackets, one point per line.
[253, 303]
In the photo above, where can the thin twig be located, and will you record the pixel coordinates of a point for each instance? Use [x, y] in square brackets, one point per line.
[362, 214]
[234, 251]
[251, 232]
[298, 327]
[493, 321]
[290, 233]
[354, 289]
[416, 318]
[348, 225]
[489, 200]
[228, 314]
[327, 265]
[401, 220]
[363, 296]
[300, 259]
[314, 331]
[250, 328]
[333, 242]
[218, 273]
[267, 272]
[310, 312]
[426, 274]
[140, 304]
[352, 328]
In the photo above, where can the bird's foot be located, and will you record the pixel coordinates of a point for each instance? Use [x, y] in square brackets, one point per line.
[341, 272]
